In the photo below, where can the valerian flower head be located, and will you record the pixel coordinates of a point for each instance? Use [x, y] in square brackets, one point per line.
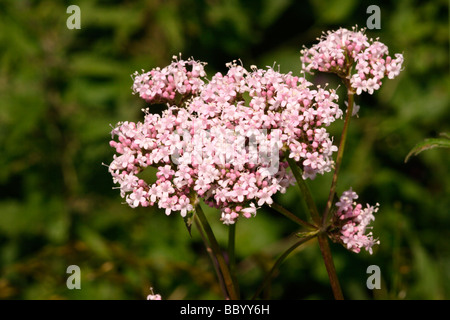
[351, 222]
[225, 140]
[352, 55]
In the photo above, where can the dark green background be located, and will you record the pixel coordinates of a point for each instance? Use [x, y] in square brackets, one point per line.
[61, 89]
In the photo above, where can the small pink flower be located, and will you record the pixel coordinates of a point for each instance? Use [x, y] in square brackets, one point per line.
[153, 296]
[165, 172]
[265, 196]
[250, 211]
[136, 198]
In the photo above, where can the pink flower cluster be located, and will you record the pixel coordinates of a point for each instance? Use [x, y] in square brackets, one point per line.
[350, 54]
[352, 222]
[224, 140]
[180, 78]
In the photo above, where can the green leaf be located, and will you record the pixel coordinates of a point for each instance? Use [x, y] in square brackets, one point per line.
[429, 144]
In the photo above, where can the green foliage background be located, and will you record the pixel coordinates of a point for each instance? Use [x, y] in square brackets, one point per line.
[61, 89]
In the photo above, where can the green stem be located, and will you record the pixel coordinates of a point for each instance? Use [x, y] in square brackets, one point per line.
[292, 216]
[340, 153]
[231, 244]
[305, 191]
[232, 255]
[329, 265]
[278, 263]
[229, 283]
[323, 241]
[211, 255]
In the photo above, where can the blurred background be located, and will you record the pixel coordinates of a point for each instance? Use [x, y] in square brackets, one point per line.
[61, 90]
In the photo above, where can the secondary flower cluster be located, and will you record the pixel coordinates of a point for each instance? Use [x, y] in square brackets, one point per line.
[162, 85]
[351, 222]
[350, 54]
[224, 140]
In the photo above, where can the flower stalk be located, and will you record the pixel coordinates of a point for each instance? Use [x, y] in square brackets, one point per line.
[304, 190]
[292, 216]
[232, 255]
[329, 265]
[340, 154]
[323, 241]
[212, 256]
[224, 269]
